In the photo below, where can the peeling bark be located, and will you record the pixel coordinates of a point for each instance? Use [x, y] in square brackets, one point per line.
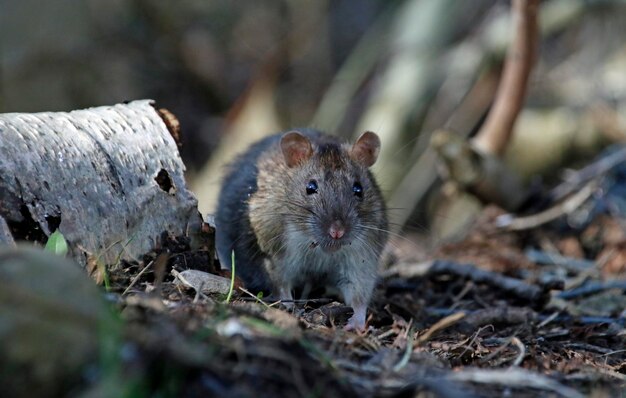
[110, 179]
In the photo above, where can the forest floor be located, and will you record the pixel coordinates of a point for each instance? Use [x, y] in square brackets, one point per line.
[501, 313]
[527, 305]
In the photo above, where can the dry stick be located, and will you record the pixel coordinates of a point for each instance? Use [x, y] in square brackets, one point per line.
[613, 353]
[535, 220]
[136, 278]
[591, 288]
[257, 299]
[516, 287]
[522, 351]
[514, 378]
[498, 128]
[471, 342]
[588, 176]
[517, 316]
[275, 303]
[611, 373]
[295, 301]
[548, 320]
[496, 352]
[407, 352]
[587, 173]
[409, 335]
[440, 325]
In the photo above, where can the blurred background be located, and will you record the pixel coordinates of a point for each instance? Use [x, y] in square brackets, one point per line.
[233, 72]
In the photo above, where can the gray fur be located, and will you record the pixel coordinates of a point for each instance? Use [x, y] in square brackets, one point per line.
[281, 233]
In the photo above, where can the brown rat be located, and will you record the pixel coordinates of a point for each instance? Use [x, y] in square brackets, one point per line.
[300, 208]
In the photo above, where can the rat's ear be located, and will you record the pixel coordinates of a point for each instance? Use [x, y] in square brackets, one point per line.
[296, 148]
[366, 149]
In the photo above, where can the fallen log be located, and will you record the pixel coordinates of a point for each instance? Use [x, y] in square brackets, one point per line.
[110, 179]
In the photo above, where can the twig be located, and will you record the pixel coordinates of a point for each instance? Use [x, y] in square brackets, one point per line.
[613, 352]
[295, 301]
[514, 378]
[569, 263]
[516, 287]
[609, 372]
[548, 319]
[386, 334]
[585, 320]
[256, 298]
[592, 287]
[565, 207]
[475, 335]
[592, 320]
[407, 352]
[253, 297]
[440, 325]
[522, 351]
[136, 278]
[498, 128]
[438, 385]
[588, 347]
[507, 342]
[587, 173]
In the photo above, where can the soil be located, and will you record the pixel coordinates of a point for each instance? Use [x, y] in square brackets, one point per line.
[482, 317]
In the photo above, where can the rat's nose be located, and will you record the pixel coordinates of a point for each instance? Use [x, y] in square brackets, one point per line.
[336, 230]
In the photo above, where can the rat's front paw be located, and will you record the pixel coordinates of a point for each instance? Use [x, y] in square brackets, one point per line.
[357, 321]
[286, 298]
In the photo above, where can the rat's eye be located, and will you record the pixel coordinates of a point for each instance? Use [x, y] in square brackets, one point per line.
[357, 188]
[311, 187]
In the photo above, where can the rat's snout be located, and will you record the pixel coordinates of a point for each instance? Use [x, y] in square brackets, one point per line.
[337, 229]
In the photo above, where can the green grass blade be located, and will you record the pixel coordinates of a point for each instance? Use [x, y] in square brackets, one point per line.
[232, 277]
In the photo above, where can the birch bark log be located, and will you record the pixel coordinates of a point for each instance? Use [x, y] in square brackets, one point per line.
[110, 179]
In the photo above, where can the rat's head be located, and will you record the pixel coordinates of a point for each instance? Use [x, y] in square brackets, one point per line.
[333, 192]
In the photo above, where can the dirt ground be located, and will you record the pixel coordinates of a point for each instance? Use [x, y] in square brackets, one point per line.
[500, 313]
